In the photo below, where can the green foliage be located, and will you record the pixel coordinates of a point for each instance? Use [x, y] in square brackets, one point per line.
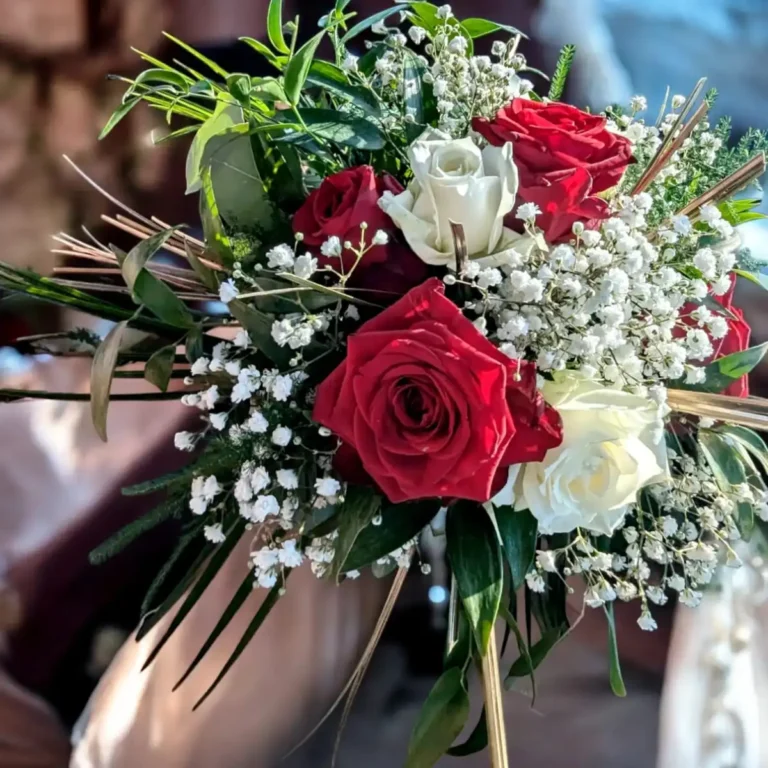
[275, 26]
[476, 562]
[724, 371]
[359, 508]
[518, 531]
[171, 508]
[102, 371]
[441, 720]
[159, 367]
[562, 70]
[297, 71]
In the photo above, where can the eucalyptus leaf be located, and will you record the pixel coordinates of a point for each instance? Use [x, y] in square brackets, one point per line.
[102, 371]
[159, 367]
[441, 720]
[475, 557]
[617, 681]
[519, 532]
[275, 26]
[360, 506]
[298, 68]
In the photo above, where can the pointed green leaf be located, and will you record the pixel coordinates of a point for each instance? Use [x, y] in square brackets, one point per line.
[477, 741]
[259, 327]
[440, 722]
[225, 116]
[475, 28]
[243, 593]
[159, 299]
[259, 47]
[400, 523]
[264, 611]
[721, 373]
[213, 229]
[475, 557]
[206, 274]
[193, 345]
[360, 506]
[167, 76]
[140, 254]
[365, 24]
[118, 115]
[617, 681]
[212, 65]
[529, 662]
[102, 371]
[518, 531]
[750, 440]
[298, 68]
[341, 128]
[275, 26]
[413, 74]
[159, 367]
[240, 87]
[333, 78]
[219, 557]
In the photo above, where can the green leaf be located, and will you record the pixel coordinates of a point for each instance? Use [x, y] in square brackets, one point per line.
[425, 15]
[400, 523]
[518, 531]
[193, 345]
[360, 506]
[226, 115]
[563, 68]
[212, 65]
[298, 68]
[365, 24]
[340, 128]
[259, 328]
[102, 371]
[159, 299]
[268, 89]
[264, 610]
[167, 76]
[213, 229]
[729, 471]
[136, 260]
[475, 558]
[206, 274]
[243, 593]
[275, 26]
[549, 608]
[617, 682]
[219, 557]
[326, 290]
[240, 87]
[413, 74]
[440, 722]
[758, 278]
[723, 372]
[259, 47]
[475, 28]
[528, 663]
[235, 180]
[751, 441]
[118, 115]
[329, 76]
[159, 367]
[477, 741]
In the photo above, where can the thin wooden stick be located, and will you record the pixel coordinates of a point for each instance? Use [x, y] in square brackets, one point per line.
[494, 706]
[746, 411]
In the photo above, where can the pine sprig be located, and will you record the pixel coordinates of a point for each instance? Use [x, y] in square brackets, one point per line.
[563, 68]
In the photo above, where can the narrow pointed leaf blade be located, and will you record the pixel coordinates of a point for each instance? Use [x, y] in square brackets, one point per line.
[617, 681]
[298, 68]
[518, 531]
[475, 557]
[261, 615]
[159, 367]
[275, 26]
[360, 506]
[440, 722]
[102, 372]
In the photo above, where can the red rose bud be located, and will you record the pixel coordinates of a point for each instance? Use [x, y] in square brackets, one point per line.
[428, 407]
[337, 208]
[565, 157]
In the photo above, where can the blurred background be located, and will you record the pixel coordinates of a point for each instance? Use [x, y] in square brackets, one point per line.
[62, 620]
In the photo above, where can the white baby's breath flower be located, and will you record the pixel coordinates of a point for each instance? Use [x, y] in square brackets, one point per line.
[327, 486]
[184, 441]
[535, 582]
[638, 104]
[380, 238]
[646, 622]
[257, 423]
[288, 479]
[444, 12]
[546, 559]
[282, 436]
[289, 555]
[199, 367]
[228, 291]
[305, 266]
[331, 247]
[282, 387]
[417, 35]
[349, 64]
[280, 257]
[215, 533]
[219, 420]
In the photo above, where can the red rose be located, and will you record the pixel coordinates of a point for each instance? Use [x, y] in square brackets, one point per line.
[736, 340]
[430, 407]
[565, 157]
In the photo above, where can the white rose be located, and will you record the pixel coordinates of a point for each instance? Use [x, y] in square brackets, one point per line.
[457, 182]
[613, 446]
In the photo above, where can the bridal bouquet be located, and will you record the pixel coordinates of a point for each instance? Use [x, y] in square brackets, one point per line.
[430, 293]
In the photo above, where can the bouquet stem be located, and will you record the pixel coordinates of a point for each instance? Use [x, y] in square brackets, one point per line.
[494, 706]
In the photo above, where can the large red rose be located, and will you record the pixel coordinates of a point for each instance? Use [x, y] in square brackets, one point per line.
[565, 157]
[337, 208]
[430, 407]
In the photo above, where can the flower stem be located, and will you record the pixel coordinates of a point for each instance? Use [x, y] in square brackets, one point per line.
[494, 707]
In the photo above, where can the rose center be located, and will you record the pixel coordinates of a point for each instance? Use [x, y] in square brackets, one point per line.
[415, 405]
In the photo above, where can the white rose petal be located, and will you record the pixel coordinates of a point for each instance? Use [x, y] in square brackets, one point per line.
[457, 182]
[613, 446]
